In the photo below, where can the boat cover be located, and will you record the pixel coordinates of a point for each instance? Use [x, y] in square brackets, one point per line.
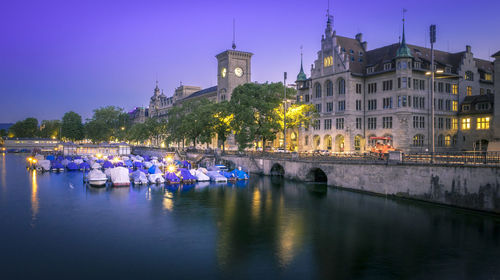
[148, 164]
[240, 174]
[119, 175]
[186, 175]
[96, 175]
[154, 178]
[107, 164]
[50, 157]
[186, 164]
[57, 165]
[43, 164]
[139, 177]
[84, 166]
[138, 164]
[128, 163]
[200, 176]
[172, 178]
[96, 165]
[72, 166]
[154, 170]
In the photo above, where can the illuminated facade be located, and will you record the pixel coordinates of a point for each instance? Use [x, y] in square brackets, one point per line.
[382, 95]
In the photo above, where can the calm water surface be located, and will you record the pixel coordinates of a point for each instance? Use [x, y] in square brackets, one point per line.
[53, 227]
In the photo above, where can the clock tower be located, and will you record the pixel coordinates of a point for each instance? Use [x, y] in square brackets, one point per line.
[233, 69]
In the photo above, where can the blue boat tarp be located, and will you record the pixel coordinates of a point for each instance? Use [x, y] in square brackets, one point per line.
[107, 164]
[57, 165]
[240, 174]
[128, 163]
[138, 164]
[84, 166]
[139, 176]
[186, 175]
[119, 164]
[146, 158]
[186, 164]
[172, 178]
[154, 170]
[59, 158]
[72, 166]
[111, 157]
[68, 158]
[99, 161]
[50, 157]
[227, 174]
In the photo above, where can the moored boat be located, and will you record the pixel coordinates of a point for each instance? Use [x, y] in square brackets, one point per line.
[119, 176]
[97, 178]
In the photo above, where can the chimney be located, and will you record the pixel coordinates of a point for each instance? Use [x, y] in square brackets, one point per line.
[468, 49]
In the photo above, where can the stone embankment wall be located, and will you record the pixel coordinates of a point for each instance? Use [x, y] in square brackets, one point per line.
[473, 187]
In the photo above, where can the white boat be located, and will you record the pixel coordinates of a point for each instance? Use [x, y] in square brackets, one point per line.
[216, 177]
[200, 176]
[97, 178]
[43, 165]
[119, 176]
[156, 178]
[147, 164]
[96, 165]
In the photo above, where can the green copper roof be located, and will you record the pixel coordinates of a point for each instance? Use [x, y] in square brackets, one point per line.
[301, 76]
[403, 50]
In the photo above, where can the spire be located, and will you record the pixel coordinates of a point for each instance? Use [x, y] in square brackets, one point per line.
[301, 76]
[157, 89]
[403, 50]
[234, 33]
[329, 21]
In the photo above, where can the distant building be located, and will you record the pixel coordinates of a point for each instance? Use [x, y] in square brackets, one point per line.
[364, 96]
[16, 145]
[139, 115]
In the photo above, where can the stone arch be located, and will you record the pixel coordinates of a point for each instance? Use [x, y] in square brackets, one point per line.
[329, 88]
[327, 142]
[316, 175]
[316, 142]
[339, 143]
[277, 170]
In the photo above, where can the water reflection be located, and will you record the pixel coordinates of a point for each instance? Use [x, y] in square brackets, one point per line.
[3, 169]
[168, 202]
[34, 197]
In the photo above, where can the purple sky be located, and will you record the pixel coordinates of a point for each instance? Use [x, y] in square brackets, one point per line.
[61, 55]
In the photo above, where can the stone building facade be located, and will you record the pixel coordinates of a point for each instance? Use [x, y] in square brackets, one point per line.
[382, 95]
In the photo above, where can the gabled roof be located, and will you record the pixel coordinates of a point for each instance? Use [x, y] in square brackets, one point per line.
[496, 54]
[475, 99]
[349, 44]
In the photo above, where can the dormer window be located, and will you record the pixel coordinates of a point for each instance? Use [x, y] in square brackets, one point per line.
[465, 107]
[370, 70]
[387, 66]
[482, 106]
[447, 69]
[488, 77]
[417, 65]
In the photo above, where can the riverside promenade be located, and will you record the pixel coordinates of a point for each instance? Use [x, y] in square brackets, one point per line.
[466, 180]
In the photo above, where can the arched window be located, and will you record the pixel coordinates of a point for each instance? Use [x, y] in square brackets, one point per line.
[341, 85]
[329, 88]
[317, 89]
[418, 140]
[469, 76]
[454, 140]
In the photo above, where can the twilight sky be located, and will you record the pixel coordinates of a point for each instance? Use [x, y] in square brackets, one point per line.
[61, 55]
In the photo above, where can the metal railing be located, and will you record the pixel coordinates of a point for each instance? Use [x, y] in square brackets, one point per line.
[480, 158]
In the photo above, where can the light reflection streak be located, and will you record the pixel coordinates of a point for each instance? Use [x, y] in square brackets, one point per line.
[4, 173]
[168, 203]
[256, 204]
[34, 196]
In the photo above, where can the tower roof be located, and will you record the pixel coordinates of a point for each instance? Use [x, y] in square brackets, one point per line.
[403, 50]
[301, 76]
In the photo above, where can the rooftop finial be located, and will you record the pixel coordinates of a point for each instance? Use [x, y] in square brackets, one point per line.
[301, 76]
[234, 35]
[329, 21]
[403, 50]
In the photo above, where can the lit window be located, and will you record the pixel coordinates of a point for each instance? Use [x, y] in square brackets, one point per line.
[447, 140]
[466, 123]
[483, 123]
[328, 61]
[418, 140]
[487, 77]
[454, 89]
[469, 91]
[454, 123]
[455, 106]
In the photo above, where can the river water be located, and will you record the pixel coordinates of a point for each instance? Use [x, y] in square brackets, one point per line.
[54, 227]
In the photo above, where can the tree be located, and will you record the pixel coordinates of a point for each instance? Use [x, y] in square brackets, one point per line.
[72, 127]
[27, 128]
[138, 132]
[255, 112]
[198, 120]
[176, 126]
[222, 118]
[3, 133]
[107, 124]
[50, 129]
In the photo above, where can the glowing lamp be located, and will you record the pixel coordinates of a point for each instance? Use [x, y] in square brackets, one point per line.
[168, 159]
[428, 73]
[440, 71]
[98, 156]
[171, 168]
[34, 160]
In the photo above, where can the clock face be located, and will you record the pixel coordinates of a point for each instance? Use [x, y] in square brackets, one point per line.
[238, 71]
[223, 72]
